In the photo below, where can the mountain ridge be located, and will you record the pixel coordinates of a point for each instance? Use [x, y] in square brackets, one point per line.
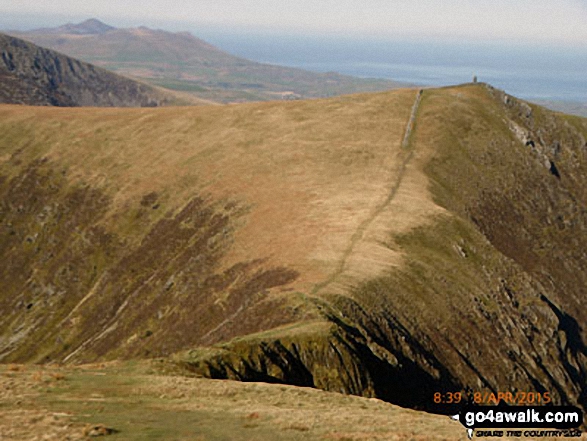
[203, 235]
[183, 62]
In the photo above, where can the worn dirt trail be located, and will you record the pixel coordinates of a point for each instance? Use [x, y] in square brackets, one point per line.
[359, 234]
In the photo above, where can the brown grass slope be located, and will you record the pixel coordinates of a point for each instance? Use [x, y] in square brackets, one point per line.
[301, 243]
[183, 224]
[33, 75]
[182, 62]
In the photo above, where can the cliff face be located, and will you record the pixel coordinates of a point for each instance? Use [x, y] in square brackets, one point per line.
[33, 75]
[307, 243]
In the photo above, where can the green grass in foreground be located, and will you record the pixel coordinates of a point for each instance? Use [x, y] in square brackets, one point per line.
[142, 403]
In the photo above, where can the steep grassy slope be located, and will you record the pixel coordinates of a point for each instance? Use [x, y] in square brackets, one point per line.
[33, 75]
[310, 243]
[182, 62]
[180, 226]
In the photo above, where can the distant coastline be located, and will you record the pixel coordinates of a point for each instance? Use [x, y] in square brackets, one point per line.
[533, 73]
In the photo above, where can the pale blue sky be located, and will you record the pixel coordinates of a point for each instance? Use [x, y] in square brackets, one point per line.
[537, 21]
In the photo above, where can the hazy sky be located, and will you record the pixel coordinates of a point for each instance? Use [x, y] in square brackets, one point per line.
[538, 21]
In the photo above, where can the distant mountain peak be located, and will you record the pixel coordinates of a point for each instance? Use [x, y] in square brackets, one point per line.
[95, 22]
[91, 26]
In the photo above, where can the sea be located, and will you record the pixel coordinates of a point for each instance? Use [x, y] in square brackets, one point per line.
[529, 71]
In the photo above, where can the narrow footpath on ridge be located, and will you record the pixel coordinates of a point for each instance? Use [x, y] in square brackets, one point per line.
[360, 232]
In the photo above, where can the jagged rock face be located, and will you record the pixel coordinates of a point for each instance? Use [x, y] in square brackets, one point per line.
[465, 272]
[32, 75]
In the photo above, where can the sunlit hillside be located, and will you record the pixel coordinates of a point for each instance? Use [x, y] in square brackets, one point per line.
[389, 245]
